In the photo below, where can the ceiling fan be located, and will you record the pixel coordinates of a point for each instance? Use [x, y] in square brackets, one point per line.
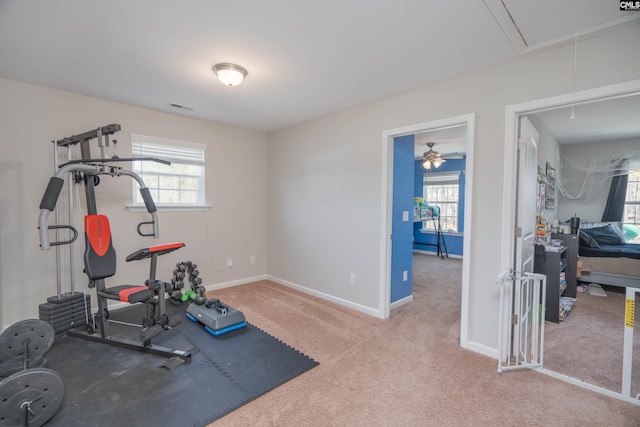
[432, 158]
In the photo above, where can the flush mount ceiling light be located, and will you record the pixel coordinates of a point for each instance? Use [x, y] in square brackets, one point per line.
[230, 74]
[432, 158]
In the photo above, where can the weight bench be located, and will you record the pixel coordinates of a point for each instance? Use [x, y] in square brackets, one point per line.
[100, 263]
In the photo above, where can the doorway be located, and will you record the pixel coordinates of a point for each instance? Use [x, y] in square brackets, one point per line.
[388, 138]
[514, 113]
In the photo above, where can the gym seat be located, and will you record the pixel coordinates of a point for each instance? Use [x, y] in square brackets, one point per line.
[100, 263]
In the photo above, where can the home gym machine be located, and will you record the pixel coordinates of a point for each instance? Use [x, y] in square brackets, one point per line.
[99, 253]
[31, 393]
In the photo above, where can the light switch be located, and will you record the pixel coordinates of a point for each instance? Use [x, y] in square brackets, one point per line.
[405, 215]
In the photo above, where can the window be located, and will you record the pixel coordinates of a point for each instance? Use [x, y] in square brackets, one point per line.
[180, 184]
[631, 216]
[442, 190]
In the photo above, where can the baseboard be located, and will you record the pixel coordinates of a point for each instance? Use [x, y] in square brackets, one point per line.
[358, 307]
[588, 386]
[236, 282]
[401, 302]
[423, 252]
[483, 349]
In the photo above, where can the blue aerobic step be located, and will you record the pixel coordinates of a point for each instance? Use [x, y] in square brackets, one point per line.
[215, 322]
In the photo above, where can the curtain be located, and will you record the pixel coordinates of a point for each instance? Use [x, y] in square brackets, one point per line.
[614, 209]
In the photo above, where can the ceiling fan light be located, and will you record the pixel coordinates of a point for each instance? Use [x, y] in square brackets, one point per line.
[432, 158]
[230, 74]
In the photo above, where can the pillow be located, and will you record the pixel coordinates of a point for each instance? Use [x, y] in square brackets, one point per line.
[591, 224]
[587, 241]
[606, 235]
[584, 225]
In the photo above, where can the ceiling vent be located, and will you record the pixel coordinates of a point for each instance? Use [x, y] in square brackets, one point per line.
[182, 107]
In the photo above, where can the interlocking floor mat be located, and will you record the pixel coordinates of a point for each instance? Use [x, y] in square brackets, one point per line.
[107, 385]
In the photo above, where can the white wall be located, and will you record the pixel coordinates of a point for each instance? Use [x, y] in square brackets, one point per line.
[236, 175]
[582, 155]
[325, 176]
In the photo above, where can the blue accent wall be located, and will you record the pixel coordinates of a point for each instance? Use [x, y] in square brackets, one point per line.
[402, 231]
[424, 241]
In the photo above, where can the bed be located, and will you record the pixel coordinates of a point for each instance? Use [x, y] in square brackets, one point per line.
[605, 256]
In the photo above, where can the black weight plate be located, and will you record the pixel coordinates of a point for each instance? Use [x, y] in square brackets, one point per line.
[39, 333]
[11, 366]
[42, 387]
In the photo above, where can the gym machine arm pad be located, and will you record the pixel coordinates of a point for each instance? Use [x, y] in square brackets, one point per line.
[151, 208]
[48, 204]
[148, 203]
[51, 194]
[148, 200]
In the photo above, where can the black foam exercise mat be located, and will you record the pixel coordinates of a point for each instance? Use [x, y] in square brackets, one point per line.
[107, 385]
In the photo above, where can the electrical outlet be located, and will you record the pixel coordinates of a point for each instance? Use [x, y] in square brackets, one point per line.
[352, 279]
[405, 276]
[229, 263]
[252, 259]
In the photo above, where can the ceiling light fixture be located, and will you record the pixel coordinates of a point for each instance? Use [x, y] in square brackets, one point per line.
[230, 74]
[432, 158]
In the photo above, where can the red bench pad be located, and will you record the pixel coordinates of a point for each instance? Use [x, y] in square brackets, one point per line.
[154, 250]
[128, 293]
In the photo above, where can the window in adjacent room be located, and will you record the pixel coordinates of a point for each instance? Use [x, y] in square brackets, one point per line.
[443, 190]
[631, 218]
[180, 184]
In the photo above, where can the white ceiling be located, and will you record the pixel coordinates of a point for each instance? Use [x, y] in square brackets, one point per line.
[305, 59]
[611, 119]
[447, 140]
[596, 121]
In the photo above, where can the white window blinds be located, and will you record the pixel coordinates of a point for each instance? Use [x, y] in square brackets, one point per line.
[169, 150]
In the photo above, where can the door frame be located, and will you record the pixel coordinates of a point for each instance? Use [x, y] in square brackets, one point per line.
[386, 209]
[512, 114]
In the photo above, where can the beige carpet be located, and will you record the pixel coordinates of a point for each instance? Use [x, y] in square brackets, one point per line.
[588, 345]
[408, 370]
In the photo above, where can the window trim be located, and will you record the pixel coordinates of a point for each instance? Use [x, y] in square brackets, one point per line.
[442, 178]
[156, 148]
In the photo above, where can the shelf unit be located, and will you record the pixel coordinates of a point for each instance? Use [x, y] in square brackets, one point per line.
[571, 242]
[431, 213]
[554, 266]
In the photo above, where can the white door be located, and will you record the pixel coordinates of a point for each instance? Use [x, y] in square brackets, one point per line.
[522, 324]
[527, 191]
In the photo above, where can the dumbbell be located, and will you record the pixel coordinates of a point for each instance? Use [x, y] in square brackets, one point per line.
[200, 297]
[29, 396]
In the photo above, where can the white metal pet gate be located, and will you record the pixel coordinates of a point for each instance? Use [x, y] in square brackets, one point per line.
[521, 330]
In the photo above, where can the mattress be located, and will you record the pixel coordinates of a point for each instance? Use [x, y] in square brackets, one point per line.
[618, 266]
[612, 251]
